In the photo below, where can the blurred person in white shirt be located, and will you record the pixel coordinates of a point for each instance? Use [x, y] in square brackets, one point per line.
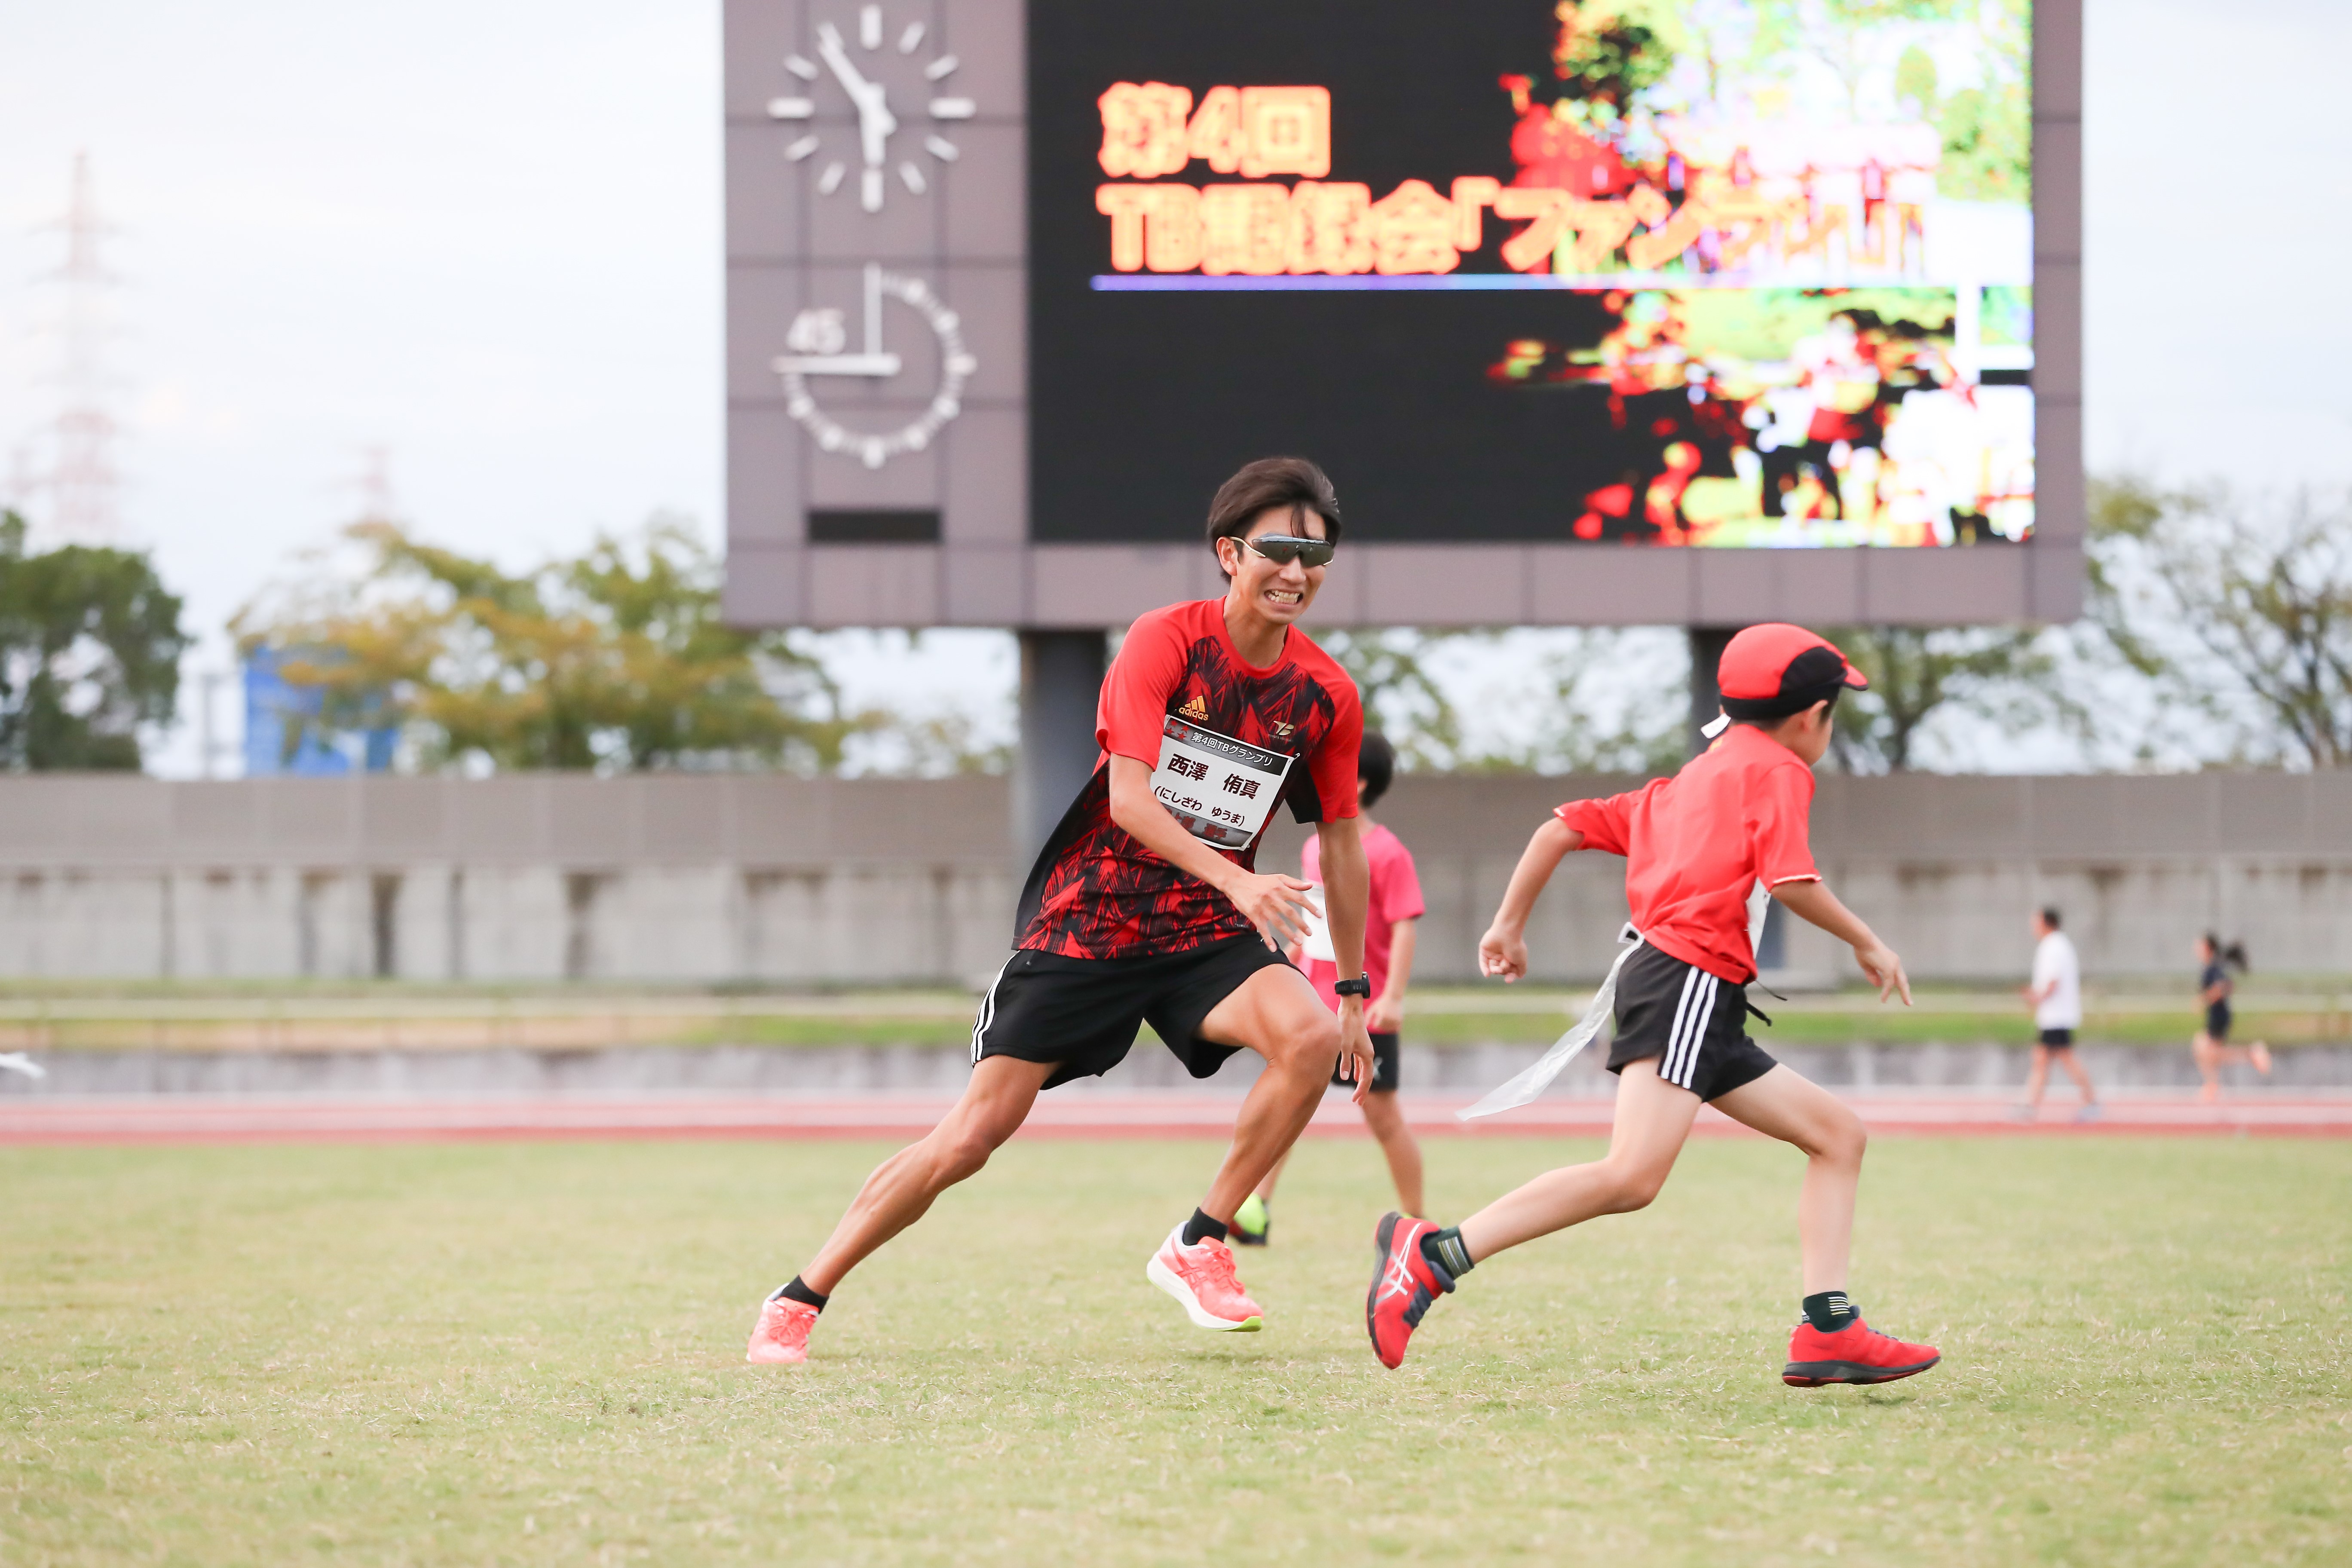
[2056, 995]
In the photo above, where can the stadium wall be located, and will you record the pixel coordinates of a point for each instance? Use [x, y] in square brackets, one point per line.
[789, 882]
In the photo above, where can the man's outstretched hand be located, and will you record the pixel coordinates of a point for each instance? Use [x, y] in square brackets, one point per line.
[1281, 908]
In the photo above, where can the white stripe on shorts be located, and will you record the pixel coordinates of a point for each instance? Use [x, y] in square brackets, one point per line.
[1684, 1070]
[1675, 1031]
[1699, 1033]
[987, 1013]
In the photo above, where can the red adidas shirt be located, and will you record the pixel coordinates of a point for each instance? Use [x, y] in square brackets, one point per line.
[1096, 891]
[1695, 846]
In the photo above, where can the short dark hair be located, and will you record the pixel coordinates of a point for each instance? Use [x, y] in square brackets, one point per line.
[1829, 694]
[2049, 916]
[1293, 482]
[1375, 764]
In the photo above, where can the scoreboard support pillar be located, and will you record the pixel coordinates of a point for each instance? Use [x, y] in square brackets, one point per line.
[1061, 682]
[1706, 643]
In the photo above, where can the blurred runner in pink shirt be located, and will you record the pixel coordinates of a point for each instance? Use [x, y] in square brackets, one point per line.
[1389, 926]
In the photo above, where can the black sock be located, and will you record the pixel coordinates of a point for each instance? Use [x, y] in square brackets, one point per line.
[1201, 1224]
[1445, 1251]
[796, 1291]
[1830, 1311]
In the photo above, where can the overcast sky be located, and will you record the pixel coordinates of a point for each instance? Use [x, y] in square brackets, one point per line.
[485, 235]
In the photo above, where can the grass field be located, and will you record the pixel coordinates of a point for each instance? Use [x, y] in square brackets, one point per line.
[478, 1355]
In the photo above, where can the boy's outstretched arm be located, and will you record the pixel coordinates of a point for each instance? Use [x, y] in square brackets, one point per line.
[1813, 901]
[1503, 949]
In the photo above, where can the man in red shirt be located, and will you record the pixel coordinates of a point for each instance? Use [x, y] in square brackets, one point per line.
[1146, 904]
[1703, 851]
[1389, 934]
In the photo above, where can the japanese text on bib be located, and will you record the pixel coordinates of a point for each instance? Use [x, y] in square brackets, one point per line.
[1220, 789]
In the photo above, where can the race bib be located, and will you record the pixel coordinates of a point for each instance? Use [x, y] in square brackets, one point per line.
[1220, 789]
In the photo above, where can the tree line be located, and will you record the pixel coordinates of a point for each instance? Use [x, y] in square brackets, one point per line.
[2217, 632]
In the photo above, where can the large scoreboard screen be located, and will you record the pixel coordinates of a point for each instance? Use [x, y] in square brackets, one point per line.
[1660, 272]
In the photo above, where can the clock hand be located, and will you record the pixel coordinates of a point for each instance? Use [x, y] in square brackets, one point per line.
[874, 121]
[828, 47]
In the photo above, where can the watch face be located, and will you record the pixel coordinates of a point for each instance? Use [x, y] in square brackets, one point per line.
[879, 102]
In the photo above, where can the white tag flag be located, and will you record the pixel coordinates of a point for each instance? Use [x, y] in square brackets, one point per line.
[1519, 1090]
[1318, 933]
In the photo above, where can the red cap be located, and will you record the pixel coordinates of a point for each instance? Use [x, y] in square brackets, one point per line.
[1777, 661]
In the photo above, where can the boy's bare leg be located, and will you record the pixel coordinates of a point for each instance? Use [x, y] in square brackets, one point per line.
[1265, 1188]
[994, 1104]
[1785, 1105]
[1277, 1014]
[1653, 1117]
[2039, 1078]
[1396, 1140]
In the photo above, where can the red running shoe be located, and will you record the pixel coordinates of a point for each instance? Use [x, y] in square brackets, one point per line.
[1201, 1278]
[1855, 1353]
[782, 1332]
[1404, 1284]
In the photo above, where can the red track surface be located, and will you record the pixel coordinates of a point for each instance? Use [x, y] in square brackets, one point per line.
[208, 1120]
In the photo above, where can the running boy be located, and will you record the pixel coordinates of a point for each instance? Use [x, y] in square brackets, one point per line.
[1144, 905]
[1389, 935]
[1730, 825]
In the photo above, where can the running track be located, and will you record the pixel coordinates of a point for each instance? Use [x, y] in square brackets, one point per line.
[177, 1119]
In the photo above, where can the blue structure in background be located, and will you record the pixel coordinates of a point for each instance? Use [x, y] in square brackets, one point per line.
[271, 701]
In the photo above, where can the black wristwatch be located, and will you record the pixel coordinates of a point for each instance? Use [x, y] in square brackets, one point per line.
[1361, 986]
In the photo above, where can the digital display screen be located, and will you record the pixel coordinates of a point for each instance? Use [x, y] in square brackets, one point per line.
[1662, 272]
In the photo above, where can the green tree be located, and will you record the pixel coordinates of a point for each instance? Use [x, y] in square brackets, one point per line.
[2008, 676]
[89, 651]
[1571, 728]
[616, 660]
[1405, 697]
[2236, 611]
[1577, 729]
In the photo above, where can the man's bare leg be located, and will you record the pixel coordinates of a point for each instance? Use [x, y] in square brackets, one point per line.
[2081, 1076]
[1277, 1014]
[2038, 1078]
[1786, 1105]
[1396, 1140]
[1653, 1117]
[994, 1104]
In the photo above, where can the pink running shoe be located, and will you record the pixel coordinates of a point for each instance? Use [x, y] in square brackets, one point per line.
[1202, 1277]
[782, 1332]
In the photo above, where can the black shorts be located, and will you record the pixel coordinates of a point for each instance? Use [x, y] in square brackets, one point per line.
[2217, 1023]
[1384, 1066]
[2057, 1039]
[1082, 1012]
[1692, 1021]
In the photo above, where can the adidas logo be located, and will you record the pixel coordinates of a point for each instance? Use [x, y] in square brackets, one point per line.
[1195, 708]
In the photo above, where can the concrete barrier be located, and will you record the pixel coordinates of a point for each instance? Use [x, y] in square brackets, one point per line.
[637, 1070]
[796, 881]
